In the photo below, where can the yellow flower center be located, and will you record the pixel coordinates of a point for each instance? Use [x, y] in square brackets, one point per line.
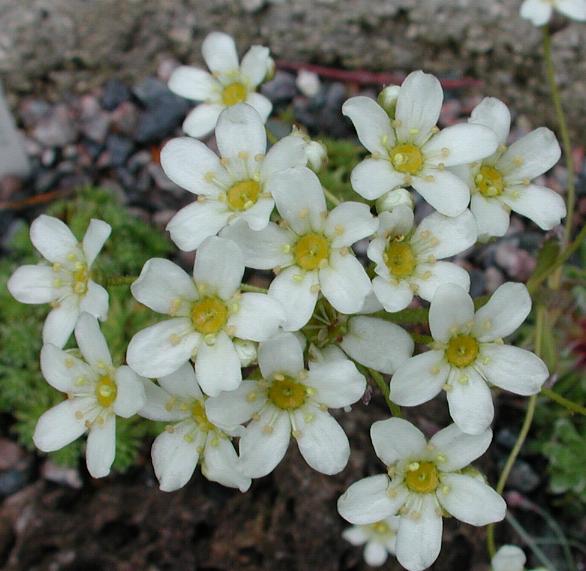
[400, 259]
[106, 391]
[209, 315]
[422, 477]
[81, 276]
[311, 250]
[243, 194]
[234, 93]
[287, 394]
[489, 181]
[462, 350]
[406, 158]
[198, 413]
[381, 527]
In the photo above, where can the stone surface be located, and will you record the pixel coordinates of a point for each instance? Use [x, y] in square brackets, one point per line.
[13, 159]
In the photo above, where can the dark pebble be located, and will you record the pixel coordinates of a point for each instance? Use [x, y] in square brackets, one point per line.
[161, 118]
[119, 148]
[11, 481]
[281, 88]
[115, 93]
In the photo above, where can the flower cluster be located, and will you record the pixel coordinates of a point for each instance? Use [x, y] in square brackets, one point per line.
[238, 371]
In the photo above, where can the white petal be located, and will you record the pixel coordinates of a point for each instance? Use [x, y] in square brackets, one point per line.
[162, 284]
[453, 234]
[419, 539]
[375, 554]
[33, 284]
[447, 193]
[219, 53]
[187, 162]
[96, 234]
[220, 464]
[344, 282]
[492, 216]
[101, 448]
[182, 383]
[538, 11]
[470, 403]
[202, 120]
[377, 344]
[61, 369]
[162, 348]
[537, 151]
[130, 397]
[156, 404]
[300, 199]
[91, 341]
[95, 301]
[348, 223]
[439, 274]
[281, 354]
[465, 143]
[196, 222]
[193, 83]
[174, 457]
[371, 122]
[61, 321]
[261, 104]
[258, 216]
[321, 441]
[372, 177]
[219, 265]
[509, 558]
[240, 130]
[575, 9]
[294, 290]
[470, 500]
[52, 238]
[418, 106]
[286, 153]
[256, 64]
[356, 535]
[459, 449]
[258, 318]
[505, 311]
[493, 113]
[338, 382]
[264, 249]
[394, 296]
[233, 408]
[217, 366]
[542, 205]
[451, 308]
[396, 439]
[367, 500]
[264, 443]
[58, 427]
[513, 369]
[419, 379]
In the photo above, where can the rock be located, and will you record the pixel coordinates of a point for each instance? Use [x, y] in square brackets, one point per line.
[115, 92]
[61, 475]
[31, 111]
[166, 68]
[523, 478]
[518, 263]
[11, 481]
[161, 118]
[94, 122]
[477, 282]
[161, 179]
[56, 129]
[281, 88]
[10, 454]
[10, 186]
[149, 90]
[124, 118]
[48, 157]
[119, 149]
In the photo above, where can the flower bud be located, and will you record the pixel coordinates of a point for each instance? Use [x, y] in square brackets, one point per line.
[387, 98]
[246, 351]
[394, 198]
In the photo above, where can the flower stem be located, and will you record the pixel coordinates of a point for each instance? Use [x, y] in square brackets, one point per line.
[539, 329]
[384, 389]
[254, 289]
[566, 403]
[332, 197]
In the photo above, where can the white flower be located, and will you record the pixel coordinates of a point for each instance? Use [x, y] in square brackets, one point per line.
[409, 150]
[370, 341]
[290, 400]
[423, 479]
[237, 186]
[393, 198]
[406, 258]
[65, 282]
[97, 392]
[311, 250]
[208, 311]
[540, 11]
[308, 83]
[510, 558]
[380, 538]
[228, 84]
[469, 355]
[192, 438]
[503, 181]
